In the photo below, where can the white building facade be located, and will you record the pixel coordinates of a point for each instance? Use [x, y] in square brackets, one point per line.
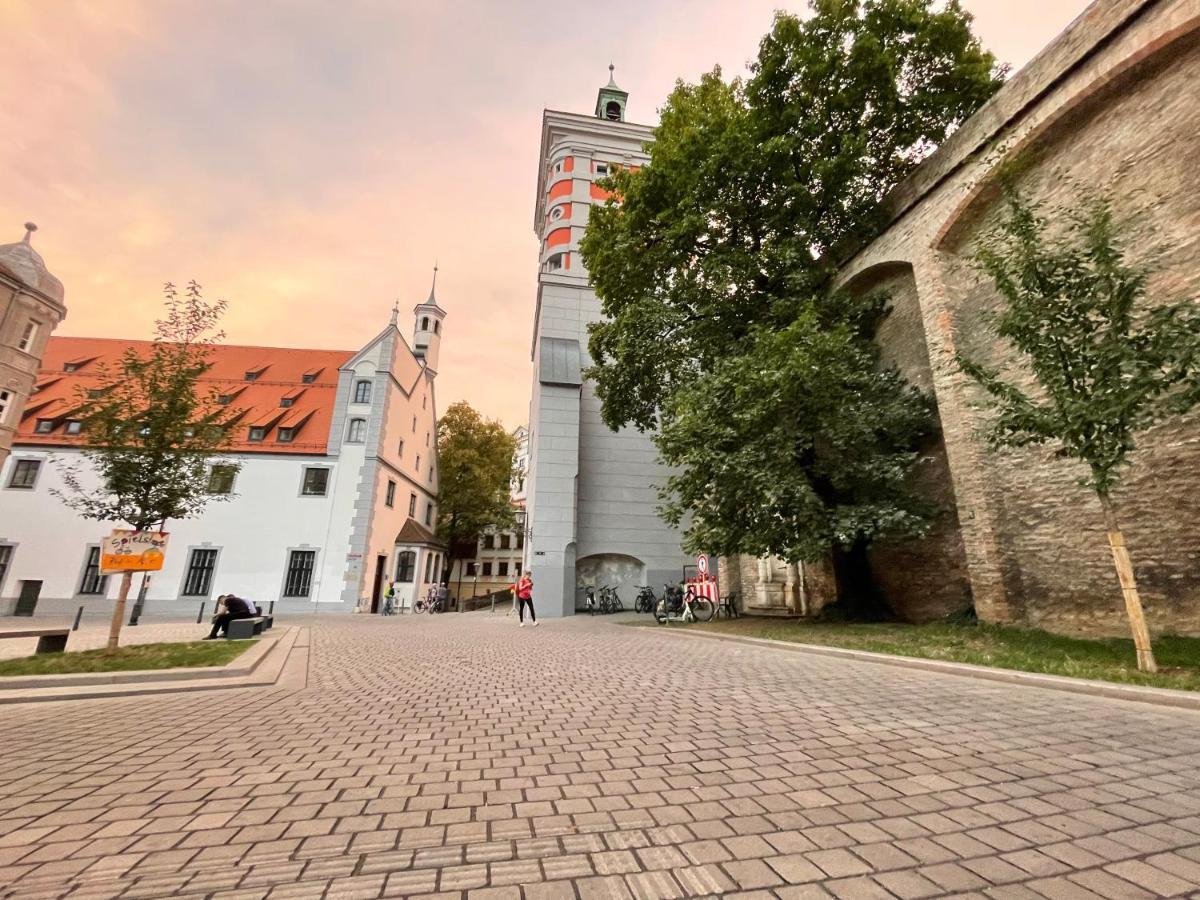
[335, 492]
[591, 493]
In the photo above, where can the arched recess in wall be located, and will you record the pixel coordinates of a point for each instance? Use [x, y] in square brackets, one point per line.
[615, 569]
[923, 579]
[1086, 103]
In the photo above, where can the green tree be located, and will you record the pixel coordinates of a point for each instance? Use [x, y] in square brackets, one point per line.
[475, 465]
[1105, 367]
[151, 429]
[731, 234]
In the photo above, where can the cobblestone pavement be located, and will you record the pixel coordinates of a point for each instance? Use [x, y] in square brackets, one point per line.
[465, 756]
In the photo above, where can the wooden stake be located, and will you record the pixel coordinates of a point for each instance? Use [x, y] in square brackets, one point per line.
[1133, 602]
[114, 628]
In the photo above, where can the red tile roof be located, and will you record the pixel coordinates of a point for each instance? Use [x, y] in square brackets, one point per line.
[280, 375]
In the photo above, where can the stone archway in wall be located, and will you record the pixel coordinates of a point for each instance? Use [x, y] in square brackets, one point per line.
[1128, 132]
[927, 578]
[618, 570]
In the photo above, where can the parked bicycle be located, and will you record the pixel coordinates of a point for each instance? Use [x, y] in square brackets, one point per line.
[683, 604]
[645, 601]
[602, 600]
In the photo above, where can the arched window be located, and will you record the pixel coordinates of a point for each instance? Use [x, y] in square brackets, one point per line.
[358, 431]
[435, 326]
[424, 323]
[362, 392]
[406, 565]
[613, 111]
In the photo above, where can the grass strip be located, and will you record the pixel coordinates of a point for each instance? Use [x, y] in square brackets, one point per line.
[136, 657]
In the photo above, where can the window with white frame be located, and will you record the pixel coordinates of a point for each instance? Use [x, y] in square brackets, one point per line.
[362, 392]
[44, 426]
[73, 426]
[6, 401]
[27, 337]
[6, 555]
[198, 580]
[316, 482]
[24, 473]
[298, 582]
[221, 478]
[406, 566]
[92, 582]
[357, 433]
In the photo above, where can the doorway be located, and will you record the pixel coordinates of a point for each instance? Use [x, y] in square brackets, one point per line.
[27, 601]
[377, 588]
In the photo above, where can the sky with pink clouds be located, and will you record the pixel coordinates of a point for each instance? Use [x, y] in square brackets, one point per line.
[309, 160]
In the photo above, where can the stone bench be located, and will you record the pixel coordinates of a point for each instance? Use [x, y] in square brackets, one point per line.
[241, 629]
[50, 640]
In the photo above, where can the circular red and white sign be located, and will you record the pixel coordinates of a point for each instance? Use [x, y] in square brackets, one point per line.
[702, 564]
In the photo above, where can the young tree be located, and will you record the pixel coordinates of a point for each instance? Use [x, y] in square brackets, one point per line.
[151, 429]
[475, 465]
[1105, 367]
[730, 234]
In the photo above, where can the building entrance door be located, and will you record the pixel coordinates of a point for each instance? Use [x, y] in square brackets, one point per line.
[28, 598]
[377, 588]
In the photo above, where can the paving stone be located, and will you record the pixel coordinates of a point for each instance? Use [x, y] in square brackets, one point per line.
[389, 775]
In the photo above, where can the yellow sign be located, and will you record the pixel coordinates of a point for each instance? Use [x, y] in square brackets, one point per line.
[132, 551]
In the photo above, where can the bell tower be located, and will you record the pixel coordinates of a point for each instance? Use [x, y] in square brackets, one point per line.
[610, 102]
[427, 328]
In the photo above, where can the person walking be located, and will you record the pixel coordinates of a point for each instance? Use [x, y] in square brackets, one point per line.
[524, 591]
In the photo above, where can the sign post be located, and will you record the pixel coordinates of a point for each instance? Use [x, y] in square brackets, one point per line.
[127, 551]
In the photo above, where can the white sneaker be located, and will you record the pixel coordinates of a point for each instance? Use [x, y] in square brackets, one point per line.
[536, 624]
[522, 624]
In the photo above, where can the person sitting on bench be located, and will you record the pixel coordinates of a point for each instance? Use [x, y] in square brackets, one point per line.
[235, 608]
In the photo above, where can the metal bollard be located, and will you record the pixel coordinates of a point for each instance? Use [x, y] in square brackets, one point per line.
[200, 615]
[78, 616]
[271, 612]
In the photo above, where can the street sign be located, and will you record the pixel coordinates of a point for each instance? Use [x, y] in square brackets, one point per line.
[702, 565]
[126, 550]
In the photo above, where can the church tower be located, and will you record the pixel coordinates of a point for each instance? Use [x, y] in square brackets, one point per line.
[427, 328]
[611, 100]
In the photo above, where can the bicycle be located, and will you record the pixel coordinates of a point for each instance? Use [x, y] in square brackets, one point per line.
[389, 606]
[610, 602]
[645, 601]
[589, 600]
[430, 603]
[684, 604]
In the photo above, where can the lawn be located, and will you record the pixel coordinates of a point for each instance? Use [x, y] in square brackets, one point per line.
[990, 645]
[128, 659]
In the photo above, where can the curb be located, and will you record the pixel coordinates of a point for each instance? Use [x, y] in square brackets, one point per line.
[1088, 687]
[265, 670]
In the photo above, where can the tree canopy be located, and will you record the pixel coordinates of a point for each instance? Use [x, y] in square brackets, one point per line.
[714, 263]
[475, 465]
[150, 426]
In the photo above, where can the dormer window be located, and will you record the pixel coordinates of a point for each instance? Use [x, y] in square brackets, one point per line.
[225, 399]
[285, 435]
[310, 376]
[285, 402]
[44, 426]
[255, 373]
[257, 433]
[252, 376]
[74, 426]
[70, 367]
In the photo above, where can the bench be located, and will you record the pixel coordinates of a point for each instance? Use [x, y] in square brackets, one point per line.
[50, 640]
[241, 629]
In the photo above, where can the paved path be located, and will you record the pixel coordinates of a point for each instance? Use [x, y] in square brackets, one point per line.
[465, 756]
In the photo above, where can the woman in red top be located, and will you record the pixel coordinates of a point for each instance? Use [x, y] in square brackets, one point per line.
[524, 591]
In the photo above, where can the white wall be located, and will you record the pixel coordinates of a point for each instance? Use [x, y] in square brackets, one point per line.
[253, 532]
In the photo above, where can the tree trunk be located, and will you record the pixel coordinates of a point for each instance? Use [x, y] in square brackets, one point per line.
[1133, 602]
[114, 628]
